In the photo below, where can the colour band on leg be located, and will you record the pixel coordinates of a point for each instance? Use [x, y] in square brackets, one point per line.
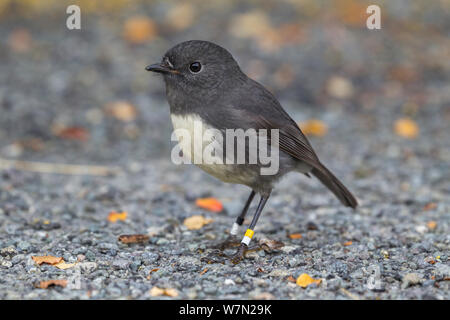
[234, 229]
[248, 237]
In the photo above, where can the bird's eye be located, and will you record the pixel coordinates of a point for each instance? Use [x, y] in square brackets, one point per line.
[195, 67]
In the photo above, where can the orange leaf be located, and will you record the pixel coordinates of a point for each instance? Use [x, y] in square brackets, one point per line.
[139, 30]
[196, 222]
[348, 243]
[431, 225]
[48, 283]
[133, 238]
[314, 127]
[430, 206]
[47, 259]
[211, 204]
[406, 128]
[114, 216]
[203, 271]
[305, 280]
[155, 292]
[295, 236]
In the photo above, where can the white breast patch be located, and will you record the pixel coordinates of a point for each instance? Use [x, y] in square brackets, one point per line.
[193, 125]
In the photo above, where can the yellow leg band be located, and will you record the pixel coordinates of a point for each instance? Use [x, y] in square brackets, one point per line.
[249, 233]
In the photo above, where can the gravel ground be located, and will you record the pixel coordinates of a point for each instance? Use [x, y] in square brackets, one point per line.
[395, 245]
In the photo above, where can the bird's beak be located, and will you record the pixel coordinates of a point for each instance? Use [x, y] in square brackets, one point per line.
[161, 68]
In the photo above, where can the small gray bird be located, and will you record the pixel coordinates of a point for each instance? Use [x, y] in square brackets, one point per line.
[205, 85]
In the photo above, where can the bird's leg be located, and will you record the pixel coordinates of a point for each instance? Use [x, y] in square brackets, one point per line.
[232, 240]
[244, 246]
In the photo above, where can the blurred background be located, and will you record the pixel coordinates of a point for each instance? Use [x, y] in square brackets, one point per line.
[83, 96]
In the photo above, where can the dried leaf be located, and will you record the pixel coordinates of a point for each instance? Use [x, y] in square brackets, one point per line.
[253, 24]
[171, 292]
[133, 238]
[156, 292]
[63, 265]
[203, 271]
[181, 16]
[314, 127]
[265, 296]
[295, 236]
[348, 243]
[406, 128]
[20, 40]
[269, 245]
[47, 259]
[430, 206]
[196, 222]
[351, 12]
[139, 29]
[305, 280]
[122, 110]
[73, 133]
[48, 283]
[114, 216]
[340, 87]
[291, 279]
[431, 225]
[211, 204]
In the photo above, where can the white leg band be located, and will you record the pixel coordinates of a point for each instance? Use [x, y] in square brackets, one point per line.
[234, 229]
[246, 240]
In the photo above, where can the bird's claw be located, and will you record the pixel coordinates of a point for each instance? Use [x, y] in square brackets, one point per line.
[230, 242]
[240, 254]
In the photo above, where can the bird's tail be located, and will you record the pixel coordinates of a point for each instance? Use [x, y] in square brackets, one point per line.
[335, 186]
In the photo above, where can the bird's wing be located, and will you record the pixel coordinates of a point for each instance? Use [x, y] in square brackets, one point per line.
[258, 109]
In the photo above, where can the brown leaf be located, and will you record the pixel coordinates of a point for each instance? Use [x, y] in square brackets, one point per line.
[114, 216]
[203, 271]
[348, 243]
[47, 259]
[73, 133]
[430, 206]
[295, 236]
[269, 245]
[406, 128]
[196, 222]
[139, 29]
[305, 280]
[48, 283]
[211, 204]
[314, 127]
[133, 238]
[431, 225]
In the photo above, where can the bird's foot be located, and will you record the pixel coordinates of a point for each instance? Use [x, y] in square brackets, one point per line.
[215, 256]
[230, 242]
[242, 250]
